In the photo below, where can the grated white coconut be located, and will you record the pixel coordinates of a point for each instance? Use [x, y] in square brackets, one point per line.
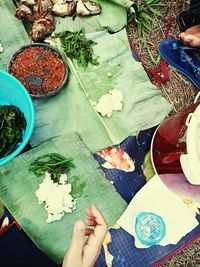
[113, 101]
[56, 197]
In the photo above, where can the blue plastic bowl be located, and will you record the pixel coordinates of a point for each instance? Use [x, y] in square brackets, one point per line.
[12, 92]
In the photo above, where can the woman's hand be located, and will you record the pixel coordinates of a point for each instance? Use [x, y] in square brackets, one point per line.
[84, 253]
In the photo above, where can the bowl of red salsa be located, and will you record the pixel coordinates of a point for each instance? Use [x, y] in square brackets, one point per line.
[40, 68]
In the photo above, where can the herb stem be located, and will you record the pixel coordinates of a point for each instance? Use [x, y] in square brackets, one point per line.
[57, 163]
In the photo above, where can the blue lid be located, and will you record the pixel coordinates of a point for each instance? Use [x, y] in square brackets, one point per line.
[149, 228]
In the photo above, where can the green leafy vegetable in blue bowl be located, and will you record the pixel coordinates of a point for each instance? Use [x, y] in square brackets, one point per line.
[17, 117]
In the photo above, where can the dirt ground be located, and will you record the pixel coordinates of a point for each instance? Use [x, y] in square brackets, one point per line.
[179, 91]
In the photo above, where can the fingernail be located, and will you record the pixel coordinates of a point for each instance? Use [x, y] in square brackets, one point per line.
[79, 225]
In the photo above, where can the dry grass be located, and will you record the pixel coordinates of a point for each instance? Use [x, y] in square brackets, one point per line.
[189, 257]
[178, 90]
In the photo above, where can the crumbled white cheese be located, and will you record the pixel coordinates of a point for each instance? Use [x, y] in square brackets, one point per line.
[56, 197]
[1, 47]
[109, 74]
[110, 102]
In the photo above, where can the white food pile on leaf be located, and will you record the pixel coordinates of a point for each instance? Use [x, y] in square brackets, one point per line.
[1, 47]
[56, 197]
[113, 101]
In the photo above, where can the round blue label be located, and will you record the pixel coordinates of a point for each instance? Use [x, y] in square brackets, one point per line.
[149, 228]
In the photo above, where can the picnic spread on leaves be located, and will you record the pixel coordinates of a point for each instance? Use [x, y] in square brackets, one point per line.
[41, 13]
[101, 96]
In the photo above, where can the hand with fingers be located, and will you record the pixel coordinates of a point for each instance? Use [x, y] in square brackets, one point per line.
[84, 252]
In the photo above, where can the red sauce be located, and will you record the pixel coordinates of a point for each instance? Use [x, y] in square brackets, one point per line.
[40, 69]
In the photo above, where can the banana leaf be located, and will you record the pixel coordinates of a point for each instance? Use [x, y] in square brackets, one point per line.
[71, 110]
[124, 3]
[12, 32]
[1, 209]
[18, 186]
[113, 18]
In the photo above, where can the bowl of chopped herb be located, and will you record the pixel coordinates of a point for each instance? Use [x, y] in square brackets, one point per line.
[16, 117]
[41, 68]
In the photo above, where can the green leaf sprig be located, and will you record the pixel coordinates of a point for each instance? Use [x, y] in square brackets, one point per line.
[12, 124]
[155, 60]
[140, 13]
[76, 46]
[53, 163]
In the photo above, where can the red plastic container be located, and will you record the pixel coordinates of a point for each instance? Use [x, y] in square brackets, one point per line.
[176, 144]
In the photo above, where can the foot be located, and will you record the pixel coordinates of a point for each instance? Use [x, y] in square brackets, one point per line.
[191, 36]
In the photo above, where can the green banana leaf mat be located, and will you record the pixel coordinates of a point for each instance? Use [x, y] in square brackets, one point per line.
[18, 186]
[71, 110]
[1, 209]
[13, 34]
[113, 17]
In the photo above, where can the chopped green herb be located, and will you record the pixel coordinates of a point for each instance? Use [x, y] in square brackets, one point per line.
[77, 186]
[52, 163]
[76, 46]
[12, 124]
